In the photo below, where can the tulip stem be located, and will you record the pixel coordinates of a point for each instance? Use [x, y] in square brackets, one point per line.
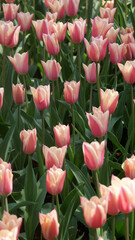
[98, 83]
[2, 204]
[53, 197]
[23, 41]
[126, 10]
[24, 5]
[73, 124]
[113, 227]
[132, 225]
[101, 231]
[86, 9]
[132, 112]
[43, 127]
[3, 68]
[90, 103]
[53, 94]
[58, 90]
[58, 207]
[126, 227]
[97, 183]
[44, 61]
[115, 76]
[95, 233]
[34, 5]
[71, 50]
[107, 66]
[19, 116]
[6, 204]
[79, 60]
[25, 92]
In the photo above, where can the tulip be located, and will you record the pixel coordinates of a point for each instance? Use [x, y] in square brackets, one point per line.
[62, 135]
[51, 16]
[24, 20]
[71, 91]
[100, 27]
[127, 30]
[6, 178]
[127, 38]
[54, 156]
[128, 71]
[60, 29]
[112, 34]
[9, 222]
[55, 178]
[94, 211]
[42, 26]
[94, 154]
[1, 97]
[52, 69]
[47, 3]
[116, 52]
[41, 97]
[98, 122]
[108, 13]
[77, 30]
[9, 34]
[109, 100]
[129, 167]
[10, 11]
[9, 235]
[90, 72]
[132, 47]
[51, 43]
[9, 1]
[71, 7]
[108, 4]
[18, 93]
[96, 51]
[29, 140]
[49, 225]
[58, 7]
[20, 62]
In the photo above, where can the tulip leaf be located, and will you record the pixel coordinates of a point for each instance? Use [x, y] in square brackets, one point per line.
[115, 141]
[79, 121]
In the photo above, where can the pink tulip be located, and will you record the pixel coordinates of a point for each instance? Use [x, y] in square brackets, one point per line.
[77, 30]
[58, 7]
[71, 91]
[109, 100]
[96, 51]
[98, 122]
[129, 167]
[10, 235]
[94, 211]
[9, 34]
[127, 30]
[108, 4]
[1, 96]
[94, 154]
[62, 135]
[9, 1]
[55, 178]
[18, 93]
[60, 29]
[112, 34]
[52, 69]
[49, 225]
[100, 27]
[54, 156]
[29, 140]
[128, 71]
[10, 11]
[24, 20]
[116, 52]
[107, 13]
[20, 62]
[6, 178]
[90, 72]
[127, 38]
[51, 43]
[9, 222]
[132, 47]
[41, 97]
[47, 3]
[51, 16]
[42, 27]
[71, 7]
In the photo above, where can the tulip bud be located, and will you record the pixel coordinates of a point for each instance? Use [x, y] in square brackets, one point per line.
[41, 97]
[77, 30]
[90, 72]
[18, 93]
[109, 100]
[24, 20]
[71, 7]
[128, 71]
[107, 13]
[20, 62]
[6, 178]
[62, 135]
[116, 52]
[43, 26]
[58, 7]
[51, 43]
[52, 69]
[10, 11]
[129, 167]
[60, 29]
[29, 139]
[71, 91]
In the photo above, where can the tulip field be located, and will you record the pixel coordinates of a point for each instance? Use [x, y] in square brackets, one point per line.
[67, 120]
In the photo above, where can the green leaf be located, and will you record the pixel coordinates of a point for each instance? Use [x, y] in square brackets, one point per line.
[115, 141]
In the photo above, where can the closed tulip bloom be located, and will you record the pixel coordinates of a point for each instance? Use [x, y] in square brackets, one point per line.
[112, 34]
[62, 135]
[54, 156]
[29, 140]
[55, 178]
[94, 211]
[18, 93]
[9, 1]
[98, 122]
[116, 52]
[24, 20]
[96, 51]
[132, 47]
[52, 69]
[60, 29]
[109, 100]
[6, 178]
[100, 27]
[10, 11]
[77, 30]
[42, 27]
[129, 167]
[94, 154]
[108, 4]
[71, 7]
[49, 225]
[20, 62]
[51, 43]
[10, 222]
[9, 34]
[58, 7]
[127, 38]
[9, 235]
[1, 96]
[107, 13]
[47, 3]
[128, 71]
[51, 16]
[41, 97]
[90, 72]
[127, 30]
[71, 91]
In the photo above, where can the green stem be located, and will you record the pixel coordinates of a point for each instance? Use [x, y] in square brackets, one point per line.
[23, 41]
[97, 183]
[44, 61]
[6, 204]
[86, 9]
[72, 50]
[90, 103]
[34, 5]
[132, 225]
[100, 3]
[101, 231]
[113, 227]
[73, 123]
[79, 60]
[126, 10]
[95, 233]
[98, 83]
[26, 99]
[115, 77]
[3, 68]
[24, 5]
[58, 207]
[126, 227]
[19, 109]
[53, 94]
[107, 65]
[58, 89]
[3, 204]
[53, 197]
[43, 127]
[132, 111]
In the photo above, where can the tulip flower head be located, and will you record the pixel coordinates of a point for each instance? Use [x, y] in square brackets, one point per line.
[71, 91]
[71, 7]
[90, 72]
[9, 34]
[108, 13]
[43, 27]
[128, 71]
[18, 93]
[108, 4]
[1, 96]
[49, 225]
[24, 20]
[127, 30]
[52, 69]
[47, 3]
[51, 43]
[109, 100]
[77, 30]
[100, 27]
[10, 235]
[112, 34]
[60, 29]
[29, 140]
[6, 178]
[41, 97]
[116, 52]
[20, 62]
[62, 135]
[129, 167]
[10, 11]
[58, 7]
[51, 16]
